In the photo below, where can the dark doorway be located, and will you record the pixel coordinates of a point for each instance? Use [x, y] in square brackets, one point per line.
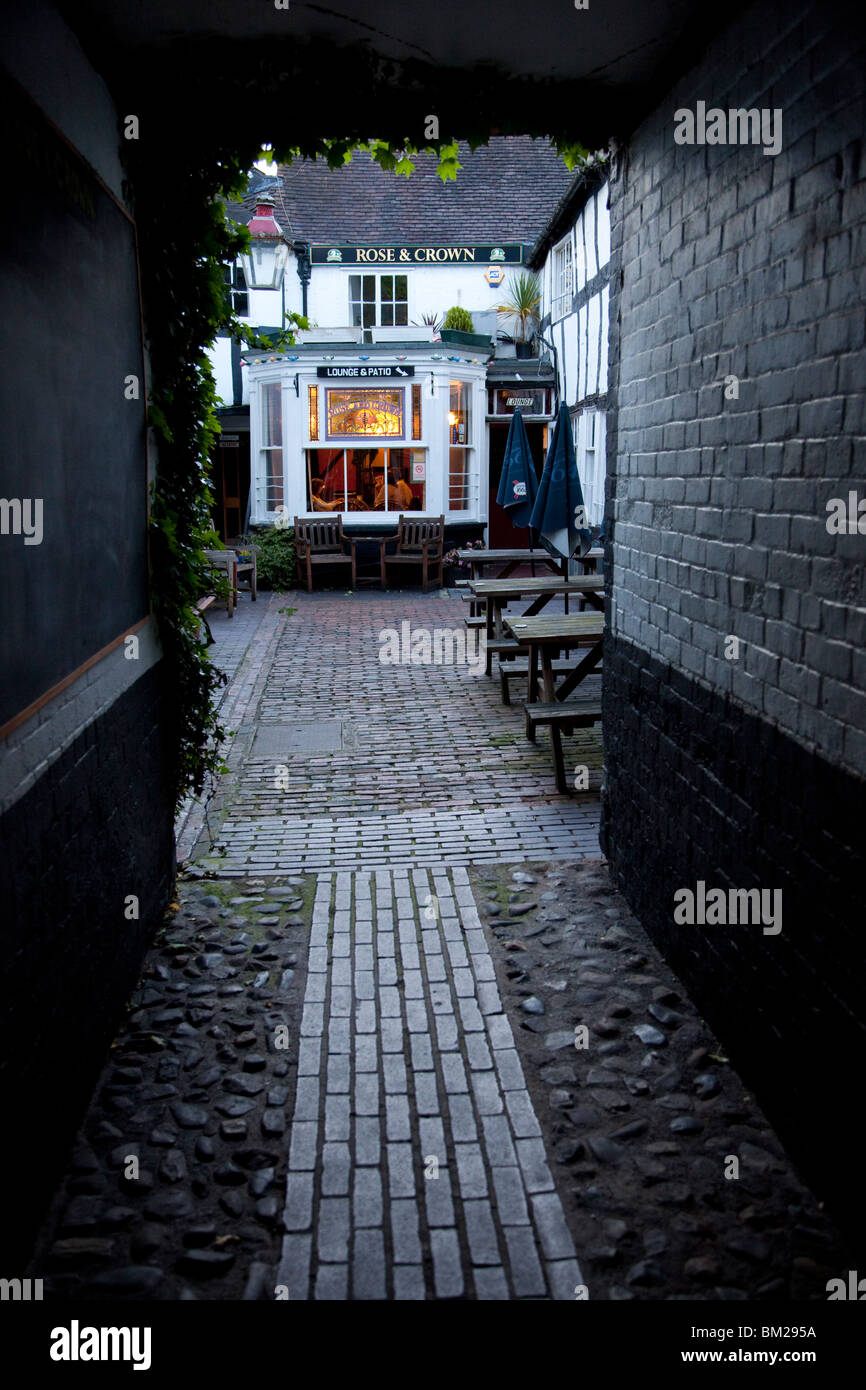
[231, 483]
[502, 535]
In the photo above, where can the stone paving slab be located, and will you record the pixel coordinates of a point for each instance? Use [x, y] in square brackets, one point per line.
[416, 1167]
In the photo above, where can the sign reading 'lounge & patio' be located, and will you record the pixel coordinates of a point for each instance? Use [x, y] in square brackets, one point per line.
[387, 372]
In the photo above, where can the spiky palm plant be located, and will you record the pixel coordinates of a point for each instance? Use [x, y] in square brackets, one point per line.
[522, 307]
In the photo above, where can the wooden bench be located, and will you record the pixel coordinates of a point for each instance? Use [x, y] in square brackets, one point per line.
[321, 542]
[504, 646]
[561, 718]
[419, 542]
[200, 607]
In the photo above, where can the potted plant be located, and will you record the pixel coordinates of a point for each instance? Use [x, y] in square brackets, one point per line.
[433, 321]
[522, 308]
[458, 328]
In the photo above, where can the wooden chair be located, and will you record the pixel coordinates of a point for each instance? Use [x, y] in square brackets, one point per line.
[321, 542]
[419, 542]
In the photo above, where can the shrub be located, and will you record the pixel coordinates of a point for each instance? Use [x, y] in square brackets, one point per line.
[459, 319]
[275, 563]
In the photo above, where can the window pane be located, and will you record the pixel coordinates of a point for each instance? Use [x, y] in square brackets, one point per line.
[370, 288]
[387, 287]
[365, 470]
[405, 493]
[325, 480]
[274, 479]
[401, 314]
[354, 287]
[416, 412]
[369, 315]
[458, 480]
[314, 412]
[458, 413]
[272, 413]
[387, 315]
[402, 287]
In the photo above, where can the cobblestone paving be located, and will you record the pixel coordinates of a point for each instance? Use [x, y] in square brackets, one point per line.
[417, 1167]
[423, 763]
[338, 1083]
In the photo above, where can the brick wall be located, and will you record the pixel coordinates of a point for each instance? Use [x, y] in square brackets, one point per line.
[96, 828]
[747, 772]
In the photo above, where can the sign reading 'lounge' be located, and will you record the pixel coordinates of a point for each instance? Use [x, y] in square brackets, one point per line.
[416, 255]
[370, 372]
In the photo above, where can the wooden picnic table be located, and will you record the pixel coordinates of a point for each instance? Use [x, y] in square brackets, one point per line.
[479, 560]
[499, 592]
[545, 636]
[508, 560]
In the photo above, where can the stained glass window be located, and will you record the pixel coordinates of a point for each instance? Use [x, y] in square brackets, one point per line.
[416, 412]
[314, 412]
[364, 413]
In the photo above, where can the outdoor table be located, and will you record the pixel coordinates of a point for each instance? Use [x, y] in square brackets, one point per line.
[544, 636]
[508, 560]
[499, 592]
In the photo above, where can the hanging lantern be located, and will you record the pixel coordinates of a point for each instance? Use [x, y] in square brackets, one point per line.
[265, 262]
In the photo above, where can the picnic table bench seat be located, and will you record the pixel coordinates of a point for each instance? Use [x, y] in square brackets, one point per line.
[504, 646]
[561, 717]
[201, 605]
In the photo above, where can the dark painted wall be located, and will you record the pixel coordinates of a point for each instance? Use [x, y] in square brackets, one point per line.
[88, 829]
[95, 829]
[748, 772]
[69, 337]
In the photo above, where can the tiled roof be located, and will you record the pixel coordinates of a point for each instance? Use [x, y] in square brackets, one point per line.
[505, 191]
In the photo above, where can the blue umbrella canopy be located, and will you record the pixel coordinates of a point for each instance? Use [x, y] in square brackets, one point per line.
[518, 484]
[559, 514]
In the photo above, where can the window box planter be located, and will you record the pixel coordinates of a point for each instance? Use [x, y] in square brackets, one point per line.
[457, 338]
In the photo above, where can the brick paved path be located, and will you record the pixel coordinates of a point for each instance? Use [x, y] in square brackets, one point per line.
[412, 1118]
[417, 764]
[382, 780]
